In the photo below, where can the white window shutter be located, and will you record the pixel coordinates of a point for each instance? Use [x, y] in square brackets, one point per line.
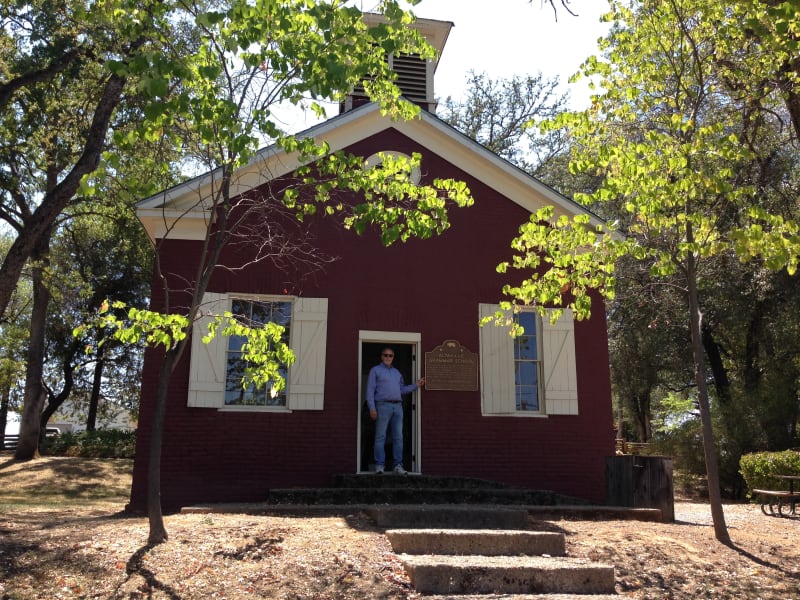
[309, 331]
[497, 366]
[558, 361]
[207, 361]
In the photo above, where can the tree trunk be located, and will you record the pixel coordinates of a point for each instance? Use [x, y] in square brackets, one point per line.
[642, 415]
[57, 198]
[55, 401]
[4, 401]
[35, 393]
[94, 398]
[721, 381]
[795, 415]
[752, 370]
[212, 248]
[787, 83]
[710, 451]
[158, 531]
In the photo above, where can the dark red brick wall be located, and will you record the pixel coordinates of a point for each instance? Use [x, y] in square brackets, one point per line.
[428, 286]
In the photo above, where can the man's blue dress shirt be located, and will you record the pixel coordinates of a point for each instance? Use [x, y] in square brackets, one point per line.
[385, 383]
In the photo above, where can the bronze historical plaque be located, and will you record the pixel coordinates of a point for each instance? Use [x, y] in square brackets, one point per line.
[451, 366]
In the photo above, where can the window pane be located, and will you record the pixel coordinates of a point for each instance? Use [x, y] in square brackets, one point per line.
[528, 320]
[235, 343]
[240, 307]
[527, 398]
[282, 313]
[526, 348]
[280, 399]
[260, 312]
[526, 363]
[253, 313]
[236, 366]
[527, 373]
[525, 345]
[245, 397]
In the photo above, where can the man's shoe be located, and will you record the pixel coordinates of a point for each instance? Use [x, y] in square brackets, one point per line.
[379, 469]
[399, 470]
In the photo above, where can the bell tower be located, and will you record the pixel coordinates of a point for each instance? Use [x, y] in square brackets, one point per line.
[414, 74]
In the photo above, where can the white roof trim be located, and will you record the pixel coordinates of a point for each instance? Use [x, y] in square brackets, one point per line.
[165, 210]
[278, 162]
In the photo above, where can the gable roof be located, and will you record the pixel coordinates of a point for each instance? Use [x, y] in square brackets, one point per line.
[179, 211]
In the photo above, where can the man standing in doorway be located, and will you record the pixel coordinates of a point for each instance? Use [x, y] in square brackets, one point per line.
[385, 389]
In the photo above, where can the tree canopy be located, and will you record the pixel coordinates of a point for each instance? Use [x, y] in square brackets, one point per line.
[670, 134]
[218, 102]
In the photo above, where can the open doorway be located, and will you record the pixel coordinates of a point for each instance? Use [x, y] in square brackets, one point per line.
[405, 361]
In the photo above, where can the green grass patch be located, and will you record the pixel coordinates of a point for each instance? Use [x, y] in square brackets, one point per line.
[56, 481]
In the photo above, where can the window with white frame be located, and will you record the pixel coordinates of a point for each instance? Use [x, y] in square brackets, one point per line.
[527, 362]
[216, 368]
[533, 374]
[253, 313]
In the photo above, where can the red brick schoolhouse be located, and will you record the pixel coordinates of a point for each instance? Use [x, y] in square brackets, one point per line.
[533, 412]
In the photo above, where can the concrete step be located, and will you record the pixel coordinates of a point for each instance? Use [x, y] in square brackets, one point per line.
[427, 516]
[395, 493]
[440, 574]
[587, 513]
[486, 542]
[522, 597]
[425, 483]
[417, 488]
[421, 480]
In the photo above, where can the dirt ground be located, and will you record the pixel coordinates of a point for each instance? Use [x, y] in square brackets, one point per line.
[81, 548]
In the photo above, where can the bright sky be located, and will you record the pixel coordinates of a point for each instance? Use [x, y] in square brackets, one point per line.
[503, 38]
[514, 37]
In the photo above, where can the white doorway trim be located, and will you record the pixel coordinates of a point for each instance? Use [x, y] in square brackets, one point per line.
[393, 337]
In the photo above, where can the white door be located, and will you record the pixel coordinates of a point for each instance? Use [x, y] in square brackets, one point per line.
[406, 350]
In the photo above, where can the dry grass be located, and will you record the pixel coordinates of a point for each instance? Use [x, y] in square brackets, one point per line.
[62, 481]
[62, 535]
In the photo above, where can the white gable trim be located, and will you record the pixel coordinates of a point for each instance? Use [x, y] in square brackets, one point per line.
[167, 210]
[271, 161]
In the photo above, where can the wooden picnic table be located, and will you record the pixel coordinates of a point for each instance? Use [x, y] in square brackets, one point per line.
[783, 498]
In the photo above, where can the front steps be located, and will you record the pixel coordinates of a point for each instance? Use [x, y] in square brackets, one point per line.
[367, 491]
[486, 550]
[476, 574]
[448, 516]
[417, 489]
[462, 538]
[486, 542]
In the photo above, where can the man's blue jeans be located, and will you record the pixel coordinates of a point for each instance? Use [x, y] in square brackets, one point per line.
[390, 416]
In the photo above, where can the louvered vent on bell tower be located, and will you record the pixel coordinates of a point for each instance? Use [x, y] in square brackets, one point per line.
[414, 78]
[414, 75]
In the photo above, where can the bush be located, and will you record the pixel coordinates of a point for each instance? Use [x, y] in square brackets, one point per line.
[759, 468]
[689, 486]
[101, 443]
